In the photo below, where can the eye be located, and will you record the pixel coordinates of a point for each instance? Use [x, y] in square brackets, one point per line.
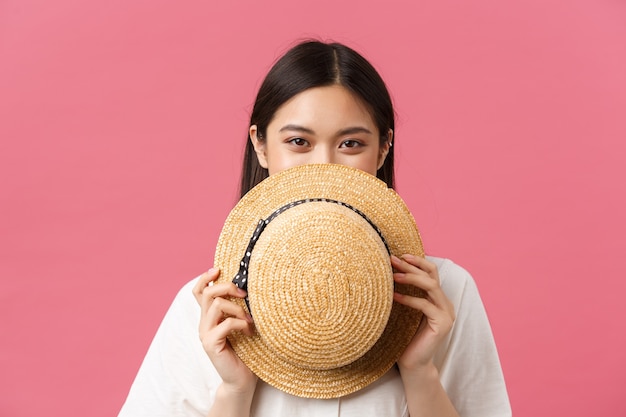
[350, 143]
[298, 141]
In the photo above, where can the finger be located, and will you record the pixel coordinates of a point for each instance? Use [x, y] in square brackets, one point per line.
[415, 264]
[216, 336]
[225, 290]
[433, 290]
[419, 278]
[422, 263]
[443, 316]
[222, 308]
[204, 281]
[215, 340]
[416, 303]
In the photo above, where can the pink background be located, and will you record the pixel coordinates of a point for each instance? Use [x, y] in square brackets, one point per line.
[122, 127]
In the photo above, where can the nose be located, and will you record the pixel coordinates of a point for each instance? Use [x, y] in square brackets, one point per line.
[322, 155]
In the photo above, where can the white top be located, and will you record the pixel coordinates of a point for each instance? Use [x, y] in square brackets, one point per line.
[177, 378]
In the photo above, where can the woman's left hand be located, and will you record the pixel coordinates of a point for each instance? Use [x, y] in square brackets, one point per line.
[437, 308]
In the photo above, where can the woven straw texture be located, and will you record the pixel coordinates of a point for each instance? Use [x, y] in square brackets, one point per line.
[320, 282]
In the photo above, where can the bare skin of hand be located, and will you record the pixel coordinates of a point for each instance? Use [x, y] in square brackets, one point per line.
[219, 318]
[424, 392]
[438, 310]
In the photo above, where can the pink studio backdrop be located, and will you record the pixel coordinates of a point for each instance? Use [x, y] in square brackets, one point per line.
[122, 127]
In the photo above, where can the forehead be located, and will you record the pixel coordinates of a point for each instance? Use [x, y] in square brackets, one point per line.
[329, 106]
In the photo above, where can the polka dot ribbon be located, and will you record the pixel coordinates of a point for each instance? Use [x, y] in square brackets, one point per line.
[241, 279]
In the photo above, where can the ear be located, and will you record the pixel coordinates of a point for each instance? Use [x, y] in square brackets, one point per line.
[259, 146]
[384, 149]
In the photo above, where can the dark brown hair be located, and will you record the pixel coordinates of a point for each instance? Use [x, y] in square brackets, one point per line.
[316, 64]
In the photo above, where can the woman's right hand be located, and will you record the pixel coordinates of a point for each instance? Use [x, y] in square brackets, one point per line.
[220, 317]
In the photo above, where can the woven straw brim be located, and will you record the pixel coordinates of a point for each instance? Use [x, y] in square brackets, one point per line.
[270, 354]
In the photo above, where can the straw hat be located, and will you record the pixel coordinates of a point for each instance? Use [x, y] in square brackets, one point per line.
[311, 245]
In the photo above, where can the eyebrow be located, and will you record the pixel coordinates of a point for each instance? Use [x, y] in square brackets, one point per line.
[297, 128]
[346, 131]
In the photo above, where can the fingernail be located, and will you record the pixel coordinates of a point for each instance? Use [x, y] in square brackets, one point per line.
[249, 318]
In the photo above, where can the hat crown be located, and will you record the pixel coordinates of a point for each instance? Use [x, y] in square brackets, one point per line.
[320, 285]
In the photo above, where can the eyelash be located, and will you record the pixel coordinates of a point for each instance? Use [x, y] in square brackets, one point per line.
[348, 143]
[294, 140]
[354, 143]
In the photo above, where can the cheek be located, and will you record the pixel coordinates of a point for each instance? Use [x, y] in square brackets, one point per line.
[278, 161]
[367, 162]
[371, 166]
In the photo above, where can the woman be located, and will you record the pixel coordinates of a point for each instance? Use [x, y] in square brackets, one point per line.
[324, 103]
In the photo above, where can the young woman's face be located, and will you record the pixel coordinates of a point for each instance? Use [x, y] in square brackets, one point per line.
[321, 125]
